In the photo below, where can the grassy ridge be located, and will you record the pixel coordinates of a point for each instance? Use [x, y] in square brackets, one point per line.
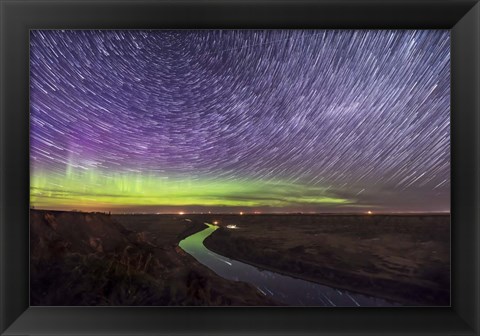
[84, 259]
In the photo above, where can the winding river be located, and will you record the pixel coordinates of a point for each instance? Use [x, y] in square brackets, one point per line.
[281, 288]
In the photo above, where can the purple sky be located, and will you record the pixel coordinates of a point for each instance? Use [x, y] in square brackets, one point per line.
[362, 116]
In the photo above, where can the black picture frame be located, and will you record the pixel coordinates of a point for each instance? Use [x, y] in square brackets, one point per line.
[17, 17]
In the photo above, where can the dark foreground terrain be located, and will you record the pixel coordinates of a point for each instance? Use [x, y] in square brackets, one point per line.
[100, 259]
[402, 258]
[97, 259]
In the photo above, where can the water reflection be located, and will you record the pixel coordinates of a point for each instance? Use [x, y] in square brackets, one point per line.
[282, 288]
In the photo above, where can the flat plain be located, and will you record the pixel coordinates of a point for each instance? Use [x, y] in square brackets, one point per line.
[405, 258]
[80, 258]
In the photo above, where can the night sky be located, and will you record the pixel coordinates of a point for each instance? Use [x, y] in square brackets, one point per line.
[227, 121]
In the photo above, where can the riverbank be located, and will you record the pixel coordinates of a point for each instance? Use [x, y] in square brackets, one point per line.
[287, 290]
[82, 259]
[401, 258]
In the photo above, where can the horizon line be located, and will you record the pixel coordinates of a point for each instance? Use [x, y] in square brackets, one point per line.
[246, 213]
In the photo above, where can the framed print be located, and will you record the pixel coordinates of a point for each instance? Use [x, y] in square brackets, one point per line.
[240, 168]
[308, 167]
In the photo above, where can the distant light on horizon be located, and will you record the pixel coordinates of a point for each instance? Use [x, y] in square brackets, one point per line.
[240, 121]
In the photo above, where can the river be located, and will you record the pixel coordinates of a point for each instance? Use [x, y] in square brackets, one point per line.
[282, 288]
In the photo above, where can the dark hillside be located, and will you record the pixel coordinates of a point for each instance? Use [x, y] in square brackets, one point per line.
[91, 259]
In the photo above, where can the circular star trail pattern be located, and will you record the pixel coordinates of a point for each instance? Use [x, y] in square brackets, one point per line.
[280, 120]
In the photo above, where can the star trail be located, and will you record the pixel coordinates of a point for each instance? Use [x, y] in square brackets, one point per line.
[230, 120]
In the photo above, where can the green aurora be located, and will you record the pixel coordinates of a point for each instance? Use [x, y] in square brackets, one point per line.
[229, 121]
[95, 190]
